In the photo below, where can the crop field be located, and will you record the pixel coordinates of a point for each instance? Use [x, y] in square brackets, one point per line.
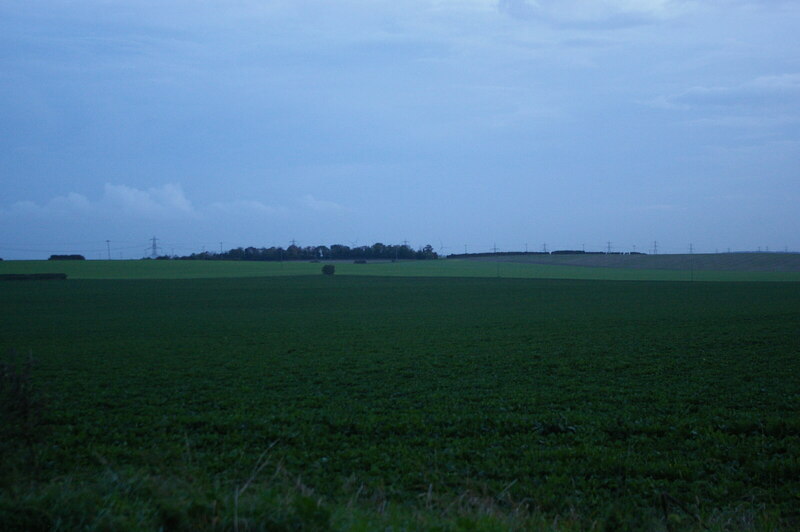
[402, 403]
[724, 267]
[752, 262]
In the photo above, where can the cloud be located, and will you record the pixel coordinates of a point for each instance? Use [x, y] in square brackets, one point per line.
[247, 207]
[61, 205]
[761, 91]
[318, 205]
[752, 121]
[167, 201]
[607, 13]
[659, 207]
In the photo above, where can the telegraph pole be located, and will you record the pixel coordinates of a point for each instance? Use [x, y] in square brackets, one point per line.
[691, 249]
[608, 247]
[655, 247]
[108, 246]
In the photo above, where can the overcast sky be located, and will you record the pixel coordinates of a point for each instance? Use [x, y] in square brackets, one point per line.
[449, 122]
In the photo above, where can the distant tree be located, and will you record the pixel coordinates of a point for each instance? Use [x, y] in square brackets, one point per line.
[293, 252]
[67, 257]
[328, 269]
[427, 253]
[361, 252]
[321, 252]
[339, 251]
[379, 250]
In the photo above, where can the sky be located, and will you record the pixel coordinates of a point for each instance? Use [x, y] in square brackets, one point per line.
[464, 124]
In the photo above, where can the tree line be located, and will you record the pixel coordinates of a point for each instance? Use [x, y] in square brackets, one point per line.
[556, 252]
[377, 251]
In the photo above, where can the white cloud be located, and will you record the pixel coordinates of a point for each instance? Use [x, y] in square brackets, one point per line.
[158, 203]
[166, 201]
[247, 207]
[787, 82]
[658, 207]
[59, 206]
[751, 122]
[603, 12]
[760, 91]
[318, 205]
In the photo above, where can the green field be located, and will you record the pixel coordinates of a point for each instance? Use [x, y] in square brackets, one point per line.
[411, 403]
[731, 269]
[730, 262]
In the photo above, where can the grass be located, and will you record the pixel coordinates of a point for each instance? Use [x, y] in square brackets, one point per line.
[163, 269]
[413, 403]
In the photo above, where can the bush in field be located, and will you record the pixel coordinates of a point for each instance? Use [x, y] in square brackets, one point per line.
[328, 269]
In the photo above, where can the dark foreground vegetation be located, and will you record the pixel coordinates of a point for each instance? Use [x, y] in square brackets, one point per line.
[364, 403]
[32, 276]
